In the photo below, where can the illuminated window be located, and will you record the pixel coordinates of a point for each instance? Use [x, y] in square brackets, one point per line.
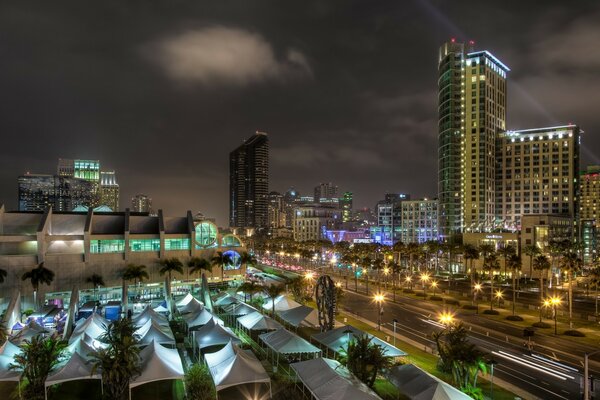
[230, 241]
[144, 245]
[107, 246]
[177, 244]
[206, 235]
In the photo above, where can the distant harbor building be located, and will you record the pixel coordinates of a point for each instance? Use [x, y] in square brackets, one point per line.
[88, 170]
[109, 190]
[141, 203]
[249, 184]
[37, 192]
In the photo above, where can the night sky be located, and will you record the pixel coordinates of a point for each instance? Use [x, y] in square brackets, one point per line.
[162, 91]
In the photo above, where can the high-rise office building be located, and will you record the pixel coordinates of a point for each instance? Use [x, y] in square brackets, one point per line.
[289, 202]
[538, 173]
[346, 206]
[109, 190]
[324, 192]
[141, 203]
[82, 169]
[590, 194]
[249, 183]
[37, 192]
[276, 210]
[419, 221]
[472, 111]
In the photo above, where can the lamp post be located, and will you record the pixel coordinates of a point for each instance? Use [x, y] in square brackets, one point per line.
[499, 296]
[586, 374]
[446, 318]
[386, 272]
[424, 279]
[379, 298]
[434, 286]
[408, 282]
[395, 321]
[555, 301]
[476, 289]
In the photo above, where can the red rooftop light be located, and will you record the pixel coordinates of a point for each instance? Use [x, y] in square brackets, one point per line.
[453, 40]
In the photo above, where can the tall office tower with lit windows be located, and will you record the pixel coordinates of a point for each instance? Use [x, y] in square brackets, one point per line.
[109, 190]
[590, 194]
[249, 183]
[88, 170]
[141, 203]
[472, 112]
[346, 206]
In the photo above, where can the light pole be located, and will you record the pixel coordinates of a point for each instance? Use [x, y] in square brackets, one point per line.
[379, 298]
[554, 302]
[499, 296]
[586, 374]
[408, 282]
[395, 321]
[434, 286]
[386, 272]
[476, 289]
[424, 279]
[446, 318]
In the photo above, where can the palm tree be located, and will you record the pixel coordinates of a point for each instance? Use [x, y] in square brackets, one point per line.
[571, 264]
[38, 357]
[170, 265]
[491, 263]
[541, 263]
[197, 265]
[38, 276]
[247, 259]
[365, 359]
[514, 263]
[221, 259]
[595, 281]
[506, 252]
[273, 291]
[135, 273]
[3, 333]
[531, 251]
[96, 280]
[3, 275]
[470, 253]
[120, 361]
[249, 288]
[365, 264]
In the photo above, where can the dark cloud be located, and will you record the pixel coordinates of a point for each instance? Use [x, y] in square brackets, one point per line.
[162, 91]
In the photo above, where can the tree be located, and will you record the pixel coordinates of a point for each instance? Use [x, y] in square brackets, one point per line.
[571, 264]
[120, 361]
[221, 259]
[135, 273]
[96, 280]
[470, 253]
[249, 288]
[595, 281]
[541, 263]
[514, 263]
[198, 383]
[38, 357]
[506, 252]
[38, 276]
[3, 333]
[459, 357]
[531, 251]
[170, 265]
[3, 275]
[298, 288]
[365, 359]
[491, 263]
[273, 291]
[197, 265]
[247, 259]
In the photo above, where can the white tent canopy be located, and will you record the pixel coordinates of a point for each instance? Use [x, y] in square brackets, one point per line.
[417, 384]
[149, 314]
[158, 363]
[76, 368]
[7, 374]
[9, 349]
[213, 334]
[198, 318]
[338, 338]
[224, 300]
[258, 322]
[282, 303]
[301, 315]
[84, 345]
[284, 342]
[188, 304]
[238, 309]
[151, 331]
[232, 366]
[323, 378]
[29, 331]
[94, 326]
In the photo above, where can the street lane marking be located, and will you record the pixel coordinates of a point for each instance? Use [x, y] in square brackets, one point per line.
[526, 363]
[555, 363]
[532, 384]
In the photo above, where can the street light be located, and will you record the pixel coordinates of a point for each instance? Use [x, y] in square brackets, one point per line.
[586, 374]
[424, 280]
[379, 298]
[408, 282]
[553, 302]
[386, 272]
[446, 318]
[476, 289]
[499, 294]
[434, 285]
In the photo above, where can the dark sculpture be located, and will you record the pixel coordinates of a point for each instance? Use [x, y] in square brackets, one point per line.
[325, 297]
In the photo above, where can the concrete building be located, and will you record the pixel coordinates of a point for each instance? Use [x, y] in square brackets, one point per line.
[249, 184]
[540, 229]
[346, 207]
[141, 203]
[590, 194]
[289, 200]
[109, 190]
[472, 110]
[88, 170]
[37, 192]
[325, 192]
[276, 210]
[389, 215]
[419, 221]
[311, 221]
[75, 245]
[538, 173]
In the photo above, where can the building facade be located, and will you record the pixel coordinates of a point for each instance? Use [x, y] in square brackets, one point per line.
[276, 211]
[37, 192]
[249, 184]
[141, 203]
[311, 221]
[109, 190]
[346, 207]
[538, 173]
[590, 194]
[325, 192]
[419, 221]
[88, 170]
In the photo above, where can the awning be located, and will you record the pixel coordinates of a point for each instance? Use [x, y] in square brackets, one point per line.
[213, 334]
[337, 339]
[417, 384]
[258, 322]
[77, 368]
[328, 380]
[151, 331]
[301, 315]
[158, 363]
[149, 314]
[232, 366]
[84, 345]
[224, 300]
[198, 318]
[282, 303]
[284, 342]
[238, 309]
[188, 304]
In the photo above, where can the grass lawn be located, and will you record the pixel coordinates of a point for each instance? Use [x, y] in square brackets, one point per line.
[161, 390]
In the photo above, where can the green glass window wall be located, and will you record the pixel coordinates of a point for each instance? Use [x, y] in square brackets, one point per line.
[177, 244]
[144, 245]
[107, 246]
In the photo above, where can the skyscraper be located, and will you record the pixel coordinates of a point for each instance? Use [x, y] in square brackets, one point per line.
[472, 112]
[346, 206]
[82, 169]
[590, 194]
[109, 190]
[249, 183]
[37, 192]
[141, 203]
[326, 191]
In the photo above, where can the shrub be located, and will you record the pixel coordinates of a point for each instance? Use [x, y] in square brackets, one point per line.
[453, 302]
[542, 325]
[408, 291]
[469, 307]
[491, 312]
[573, 332]
[198, 383]
[419, 294]
[514, 318]
[436, 298]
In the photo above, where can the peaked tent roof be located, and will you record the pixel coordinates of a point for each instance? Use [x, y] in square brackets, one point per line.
[282, 303]
[158, 363]
[7, 374]
[94, 326]
[338, 338]
[199, 318]
[232, 366]
[239, 309]
[213, 334]
[417, 384]
[83, 346]
[224, 300]
[75, 369]
[151, 331]
[285, 342]
[9, 349]
[30, 330]
[258, 322]
[189, 304]
[298, 315]
[322, 379]
[150, 314]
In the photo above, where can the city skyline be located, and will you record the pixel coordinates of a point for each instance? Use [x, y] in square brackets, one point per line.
[352, 100]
